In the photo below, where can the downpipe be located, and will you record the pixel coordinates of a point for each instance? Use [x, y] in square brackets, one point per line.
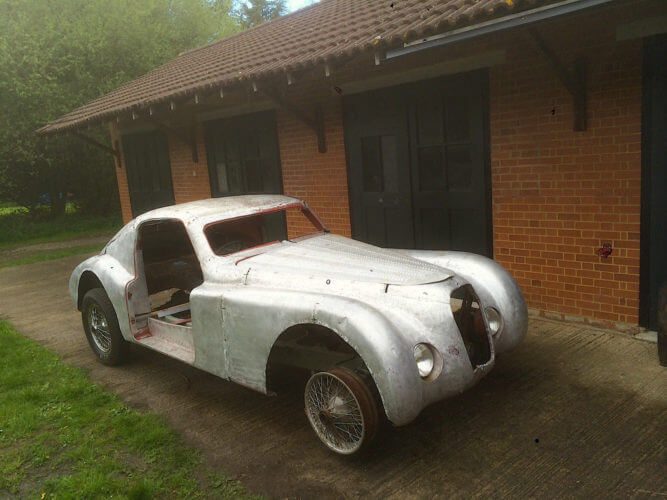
[662, 325]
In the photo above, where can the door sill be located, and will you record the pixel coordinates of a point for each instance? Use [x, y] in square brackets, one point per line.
[171, 339]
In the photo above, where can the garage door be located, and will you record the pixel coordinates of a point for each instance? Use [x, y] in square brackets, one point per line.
[148, 171]
[418, 165]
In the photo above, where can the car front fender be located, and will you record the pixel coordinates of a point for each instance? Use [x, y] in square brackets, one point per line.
[253, 319]
[494, 286]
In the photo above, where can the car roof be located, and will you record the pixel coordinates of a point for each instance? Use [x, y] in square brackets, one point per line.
[215, 209]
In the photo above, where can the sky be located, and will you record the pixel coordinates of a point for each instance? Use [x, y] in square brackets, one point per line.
[293, 5]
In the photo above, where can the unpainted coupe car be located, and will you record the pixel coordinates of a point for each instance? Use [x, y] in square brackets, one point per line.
[250, 288]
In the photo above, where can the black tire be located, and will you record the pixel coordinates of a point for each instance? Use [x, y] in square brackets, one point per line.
[110, 347]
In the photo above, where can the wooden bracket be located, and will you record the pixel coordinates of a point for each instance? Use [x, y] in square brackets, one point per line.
[115, 150]
[189, 139]
[574, 80]
[314, 122]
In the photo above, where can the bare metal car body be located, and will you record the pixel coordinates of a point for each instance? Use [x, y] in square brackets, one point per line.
[380, 302]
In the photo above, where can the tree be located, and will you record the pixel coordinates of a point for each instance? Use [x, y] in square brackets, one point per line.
[58, 55]
[253, 12]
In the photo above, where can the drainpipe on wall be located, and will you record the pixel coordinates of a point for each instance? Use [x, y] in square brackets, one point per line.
[662, 325]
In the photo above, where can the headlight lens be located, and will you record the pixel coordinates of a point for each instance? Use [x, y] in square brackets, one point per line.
[494, 319]
[424, 359]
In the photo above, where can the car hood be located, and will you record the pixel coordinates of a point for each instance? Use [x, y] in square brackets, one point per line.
[338, 257]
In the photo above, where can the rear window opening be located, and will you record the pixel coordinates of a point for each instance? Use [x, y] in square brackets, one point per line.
[468, 315]
[256, 230]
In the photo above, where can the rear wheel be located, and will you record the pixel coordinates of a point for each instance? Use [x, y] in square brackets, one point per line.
[101, 326]
[342, 410]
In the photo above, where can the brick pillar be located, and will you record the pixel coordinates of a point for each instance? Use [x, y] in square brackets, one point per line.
[190, 179]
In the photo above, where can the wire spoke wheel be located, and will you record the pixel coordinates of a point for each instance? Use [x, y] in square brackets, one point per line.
[341, 410]
[99, 328]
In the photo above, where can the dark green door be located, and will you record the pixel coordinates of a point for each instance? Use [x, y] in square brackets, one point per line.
[418, 165]
[654, 180]
[449, 168]
[243, 155]
[377, 139]
[148, 171]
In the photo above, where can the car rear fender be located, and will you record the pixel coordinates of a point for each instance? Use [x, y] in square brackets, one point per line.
[113, 277]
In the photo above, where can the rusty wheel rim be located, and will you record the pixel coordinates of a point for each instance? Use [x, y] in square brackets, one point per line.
[334, 413]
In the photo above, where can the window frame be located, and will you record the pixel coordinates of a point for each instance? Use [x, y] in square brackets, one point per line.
[320, 228]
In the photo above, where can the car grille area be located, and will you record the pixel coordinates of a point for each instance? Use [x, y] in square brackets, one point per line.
[467, 312]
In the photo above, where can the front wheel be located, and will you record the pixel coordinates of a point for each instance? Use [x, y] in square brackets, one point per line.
[341, 410]
[101, 326]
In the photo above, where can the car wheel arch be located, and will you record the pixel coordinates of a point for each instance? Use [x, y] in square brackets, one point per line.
[320, 336]
[395, 394]
[87, 281]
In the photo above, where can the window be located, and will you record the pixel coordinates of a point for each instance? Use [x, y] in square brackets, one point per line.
[242, 154]
[256, 230]
[380, 168]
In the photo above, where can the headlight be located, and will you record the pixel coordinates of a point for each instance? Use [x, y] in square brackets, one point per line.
[494, 319]
[425, 359]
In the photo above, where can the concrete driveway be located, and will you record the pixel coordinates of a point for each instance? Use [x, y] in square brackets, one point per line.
[575, 412]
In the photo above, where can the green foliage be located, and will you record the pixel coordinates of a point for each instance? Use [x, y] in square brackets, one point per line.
[253, 12]
[58, 55]
[22, 228]
[63, 437]
[12, 209]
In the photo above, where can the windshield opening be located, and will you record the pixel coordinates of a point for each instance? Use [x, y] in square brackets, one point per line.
[259, 229]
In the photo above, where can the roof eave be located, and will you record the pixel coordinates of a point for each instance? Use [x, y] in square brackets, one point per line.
[394, 46]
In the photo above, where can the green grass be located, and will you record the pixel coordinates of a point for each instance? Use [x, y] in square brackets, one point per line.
[11, 210]
[19, 228]
[61, 436]
[50, 255]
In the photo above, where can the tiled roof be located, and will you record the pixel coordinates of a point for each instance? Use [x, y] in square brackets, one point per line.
[321, 33]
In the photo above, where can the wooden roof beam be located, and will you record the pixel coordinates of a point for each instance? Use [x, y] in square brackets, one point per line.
[115, 150]
[189, 139]
[574, 80]
[315, 121]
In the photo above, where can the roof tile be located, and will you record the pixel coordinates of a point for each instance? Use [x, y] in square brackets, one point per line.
[322, 32]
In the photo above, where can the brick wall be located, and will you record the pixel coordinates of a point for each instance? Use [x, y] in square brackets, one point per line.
[190, 180]
[558, 195]
[320, 179]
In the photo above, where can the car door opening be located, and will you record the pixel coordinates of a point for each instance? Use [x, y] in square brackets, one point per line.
[167, 271]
